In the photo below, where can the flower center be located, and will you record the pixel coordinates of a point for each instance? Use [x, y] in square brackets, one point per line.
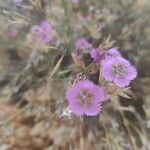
[85, 98]
[119, 70]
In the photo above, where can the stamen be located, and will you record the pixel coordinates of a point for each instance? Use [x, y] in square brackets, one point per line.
[119, 70]
[85, 98]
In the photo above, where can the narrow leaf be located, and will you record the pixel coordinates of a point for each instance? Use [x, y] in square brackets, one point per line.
[63, 73]
[57, 66]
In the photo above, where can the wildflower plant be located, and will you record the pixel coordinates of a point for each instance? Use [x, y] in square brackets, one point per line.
[104, 61]
[70, 44]
[86, 97]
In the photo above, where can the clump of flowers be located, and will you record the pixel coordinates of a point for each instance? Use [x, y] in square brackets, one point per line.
[42, 33]
[86, 98]
[97, 55]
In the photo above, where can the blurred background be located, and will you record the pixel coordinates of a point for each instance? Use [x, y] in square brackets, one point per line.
[31, 101]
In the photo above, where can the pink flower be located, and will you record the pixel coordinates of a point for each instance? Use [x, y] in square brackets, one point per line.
[18, 3]
[13, 33]
[75, 1]
[97, 55]
[82, 44]
[118, 70]
[85, 98]
[113, 52]
[46, 1]
[42, 33]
